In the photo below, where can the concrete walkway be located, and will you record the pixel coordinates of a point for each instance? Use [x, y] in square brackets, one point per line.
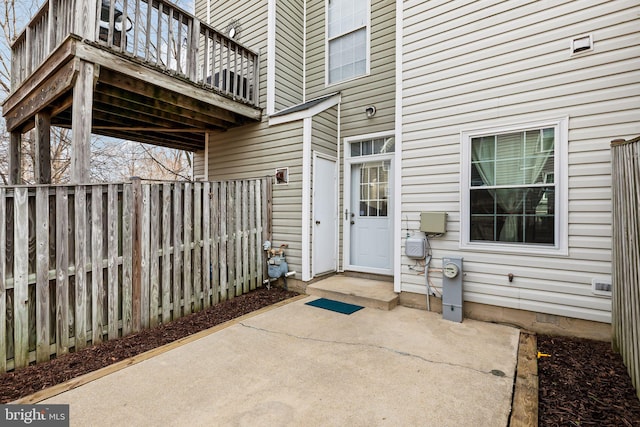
[298, 365]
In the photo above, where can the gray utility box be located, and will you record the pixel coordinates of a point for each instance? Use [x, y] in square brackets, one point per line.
[452, 289]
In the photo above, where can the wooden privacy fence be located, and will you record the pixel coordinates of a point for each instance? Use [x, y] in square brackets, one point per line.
[87, 263]
[625, 170]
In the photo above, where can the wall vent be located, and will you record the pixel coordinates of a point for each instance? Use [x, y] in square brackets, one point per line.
[601, 287]
[581, 44]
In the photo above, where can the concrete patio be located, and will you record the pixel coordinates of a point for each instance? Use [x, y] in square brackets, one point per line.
[302, 365]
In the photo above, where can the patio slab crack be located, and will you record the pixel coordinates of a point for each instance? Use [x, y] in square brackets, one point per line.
[492, 372]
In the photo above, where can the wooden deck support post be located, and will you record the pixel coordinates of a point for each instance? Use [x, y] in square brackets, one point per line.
[15, 158]
[81, 123]
[43, 148]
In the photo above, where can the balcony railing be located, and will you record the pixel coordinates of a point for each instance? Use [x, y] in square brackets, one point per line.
[154, 32]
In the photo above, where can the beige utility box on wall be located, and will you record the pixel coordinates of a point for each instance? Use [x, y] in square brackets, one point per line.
[433, 222]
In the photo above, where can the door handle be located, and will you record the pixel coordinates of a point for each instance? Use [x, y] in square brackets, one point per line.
[317, 222]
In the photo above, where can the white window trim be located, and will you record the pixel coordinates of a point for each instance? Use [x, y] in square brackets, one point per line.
[561, 226]
[326, 46]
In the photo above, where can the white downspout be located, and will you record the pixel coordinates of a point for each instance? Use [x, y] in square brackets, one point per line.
[339, 265]
[397, 206]
[271, 57]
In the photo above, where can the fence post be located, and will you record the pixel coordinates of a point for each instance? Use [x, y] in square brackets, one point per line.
[136, 273]
[625, 313]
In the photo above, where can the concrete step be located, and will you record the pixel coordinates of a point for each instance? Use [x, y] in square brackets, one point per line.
[353, 290]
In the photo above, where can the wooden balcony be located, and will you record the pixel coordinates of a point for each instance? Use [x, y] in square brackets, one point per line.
[141, 70]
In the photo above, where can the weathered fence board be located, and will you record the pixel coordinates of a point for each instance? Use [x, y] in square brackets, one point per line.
[186, 244]
[127, 260]
[177, 261]
[145, 255]
[222, 245]
[154, 261]
[88, 263]
[42, 274]
[97, 294]
[80, 278]
[20, 279]
[3, 282]
[112, 263]
[625, 167]
[197, 249]
[231, 232]
[206, 248]
[215, 244]
[166, 254]
[62, 270]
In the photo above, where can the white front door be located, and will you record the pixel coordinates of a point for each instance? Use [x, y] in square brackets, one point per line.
[324, 215]
[370, 216]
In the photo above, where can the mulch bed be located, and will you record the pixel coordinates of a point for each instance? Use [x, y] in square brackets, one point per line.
[17, 384]
[584, 383]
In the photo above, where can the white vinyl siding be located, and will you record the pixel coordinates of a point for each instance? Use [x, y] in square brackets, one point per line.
[255, 151]
[377, 88]
[289, 54]
[473, 65]
[251, 16]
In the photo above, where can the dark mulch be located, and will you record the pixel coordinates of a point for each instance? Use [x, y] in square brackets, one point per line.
[584, 383]
[17, 384]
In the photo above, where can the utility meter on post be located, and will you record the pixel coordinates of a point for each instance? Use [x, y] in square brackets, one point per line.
[452, 289]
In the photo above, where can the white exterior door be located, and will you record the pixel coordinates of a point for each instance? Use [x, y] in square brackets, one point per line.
[324, 215]
[370, 225]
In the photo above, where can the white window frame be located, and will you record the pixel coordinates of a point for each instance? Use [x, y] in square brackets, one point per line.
[561, 223]
[367, 25]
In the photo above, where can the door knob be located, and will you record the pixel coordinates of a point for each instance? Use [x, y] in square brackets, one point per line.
[352, 222]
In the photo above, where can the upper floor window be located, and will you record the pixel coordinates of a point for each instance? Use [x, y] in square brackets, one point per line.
[347, 39]
[513, 180]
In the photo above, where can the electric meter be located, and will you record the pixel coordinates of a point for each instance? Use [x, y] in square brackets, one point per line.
[450, 270]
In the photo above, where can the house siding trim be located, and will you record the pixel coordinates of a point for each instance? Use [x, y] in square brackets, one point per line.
[306, 199]
[306, 113]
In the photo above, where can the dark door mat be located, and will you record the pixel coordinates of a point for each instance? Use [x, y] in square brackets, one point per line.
[340, 307]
